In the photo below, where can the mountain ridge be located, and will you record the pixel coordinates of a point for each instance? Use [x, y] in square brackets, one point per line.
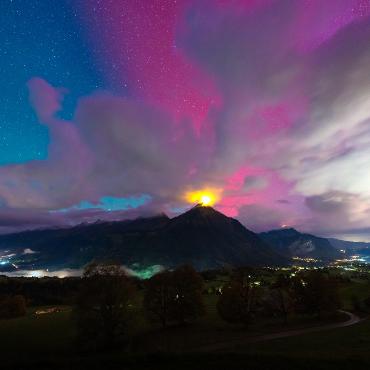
[292, 243]
[200, 236]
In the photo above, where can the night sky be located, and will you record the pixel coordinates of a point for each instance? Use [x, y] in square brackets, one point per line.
[115, 109]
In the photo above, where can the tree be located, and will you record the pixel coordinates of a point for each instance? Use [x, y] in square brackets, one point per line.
[280, 297]
[102, 308]
[315, 293]
[158, 297]
[187, 303]
[239, 297]
[174, 296]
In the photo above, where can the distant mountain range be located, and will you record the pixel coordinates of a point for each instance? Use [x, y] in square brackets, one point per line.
[201, 236]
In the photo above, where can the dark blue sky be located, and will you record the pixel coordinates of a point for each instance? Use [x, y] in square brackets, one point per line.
[45, 39]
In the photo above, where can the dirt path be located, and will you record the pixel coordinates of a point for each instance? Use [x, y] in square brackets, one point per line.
[353, 319]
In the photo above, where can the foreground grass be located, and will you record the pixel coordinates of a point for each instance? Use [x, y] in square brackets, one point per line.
[232, 361]
[48, 341]
[351, 342]
[38, 335]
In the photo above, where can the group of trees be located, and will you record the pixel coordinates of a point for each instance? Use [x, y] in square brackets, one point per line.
[244, 298]
[107, 302]
[315, 293]
[174, 296]
[41, 291]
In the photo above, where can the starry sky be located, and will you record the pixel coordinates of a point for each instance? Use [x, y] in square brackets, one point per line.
[113, 109]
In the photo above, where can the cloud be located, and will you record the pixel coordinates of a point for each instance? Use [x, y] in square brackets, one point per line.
[28, 251]
[59, 179]
[297, 102]
[253, 182]
[45, 99]
[338, 212]
[12, 220]
[137, 148]
[261, 218]
[332, 202]
[114, 148]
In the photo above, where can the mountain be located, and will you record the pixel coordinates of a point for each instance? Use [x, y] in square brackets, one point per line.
[291, 243]
[201, 236]
[350, 248]
[205, 236]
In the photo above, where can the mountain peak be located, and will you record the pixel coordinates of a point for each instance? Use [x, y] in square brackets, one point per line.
[200, 207]
[202, 213]
[283, 230]
[292, 243]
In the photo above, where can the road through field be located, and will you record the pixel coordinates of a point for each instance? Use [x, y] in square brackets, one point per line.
[352, 320]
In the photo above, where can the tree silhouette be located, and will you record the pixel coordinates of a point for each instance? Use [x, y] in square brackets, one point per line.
[187, 303]
[102, 308]
[281, 296]
[239, 297]
[174, 296]
[158, 298]
[316, 292]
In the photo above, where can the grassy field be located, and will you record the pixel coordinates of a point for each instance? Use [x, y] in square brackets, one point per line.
[49, 341]
[39, 335]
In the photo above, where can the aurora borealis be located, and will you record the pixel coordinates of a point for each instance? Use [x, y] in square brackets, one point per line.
[113, 109]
